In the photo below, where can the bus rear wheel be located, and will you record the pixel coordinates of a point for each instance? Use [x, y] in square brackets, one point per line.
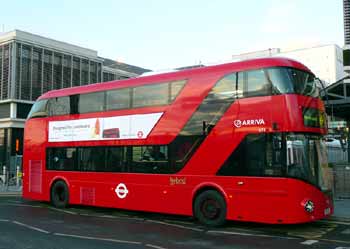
[59, 194]
[210, 208]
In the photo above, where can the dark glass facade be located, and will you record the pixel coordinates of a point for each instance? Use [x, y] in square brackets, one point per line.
[346, 7]
[39, 70]
[5, 52]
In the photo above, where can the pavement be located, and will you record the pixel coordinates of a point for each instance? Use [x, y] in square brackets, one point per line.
[341, 210]
[10, 190]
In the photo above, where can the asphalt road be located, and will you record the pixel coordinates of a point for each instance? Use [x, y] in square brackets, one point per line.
[25, 224]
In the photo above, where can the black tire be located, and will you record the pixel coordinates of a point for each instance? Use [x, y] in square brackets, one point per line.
[210, 208]
[59, 194]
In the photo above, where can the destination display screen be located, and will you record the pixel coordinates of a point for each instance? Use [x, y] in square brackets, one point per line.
[314, 118]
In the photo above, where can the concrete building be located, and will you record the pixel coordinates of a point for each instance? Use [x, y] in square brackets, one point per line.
[31, 65]
[325, 61]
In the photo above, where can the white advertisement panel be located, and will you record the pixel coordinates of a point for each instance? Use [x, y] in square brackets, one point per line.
[123, 127]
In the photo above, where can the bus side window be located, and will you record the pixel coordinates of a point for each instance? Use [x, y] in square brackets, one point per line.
[115, 159]
[151, 95]
[150, 159]
[61, 159]
[91, 102]
[90, 159]
[257, 84]
[59, 106]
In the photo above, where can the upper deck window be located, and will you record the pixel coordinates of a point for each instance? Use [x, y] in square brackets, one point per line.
[279, 80]
[118, 99]
[151, 95]
[175, 89]
[304, 83]
[257, 84]
[91, 102]
[124, 98]
[39, 109]
[59, 106]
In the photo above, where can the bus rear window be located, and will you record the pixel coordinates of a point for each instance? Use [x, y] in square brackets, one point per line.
[39, 109]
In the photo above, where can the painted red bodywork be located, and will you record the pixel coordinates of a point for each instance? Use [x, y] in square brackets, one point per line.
[259, 199]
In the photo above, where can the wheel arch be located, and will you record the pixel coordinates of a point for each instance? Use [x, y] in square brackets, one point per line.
[56, 179]
[59, 178]
[207, 186]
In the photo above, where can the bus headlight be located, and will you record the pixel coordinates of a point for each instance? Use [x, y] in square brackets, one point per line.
[309, 206]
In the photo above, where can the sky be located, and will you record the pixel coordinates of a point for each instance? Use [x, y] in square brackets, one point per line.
[161, 34]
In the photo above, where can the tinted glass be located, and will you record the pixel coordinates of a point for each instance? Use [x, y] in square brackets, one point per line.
[38, 109]
[118, 99]
[135, 159]
[91, 102]
[280, 81]
[212, 108]
[257, 155]
[304, 83]
[203, 121]
[116, 159]
[176, 87]
[314, 118]
[92, 159]
[59, 106]
[62, 159]
[257, 84]
[151, 95]
[150, 159]
[224, 89]
[74, 104]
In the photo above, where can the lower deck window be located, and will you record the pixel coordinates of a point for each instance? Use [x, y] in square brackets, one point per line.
[257, 155]
[135, 159]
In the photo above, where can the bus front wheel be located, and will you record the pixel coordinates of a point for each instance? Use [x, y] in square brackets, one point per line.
[59, 194]
[210, 208]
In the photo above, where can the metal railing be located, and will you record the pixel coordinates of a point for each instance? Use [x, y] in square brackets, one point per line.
[9, 180]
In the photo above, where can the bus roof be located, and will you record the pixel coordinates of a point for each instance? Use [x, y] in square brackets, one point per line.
[178, 75]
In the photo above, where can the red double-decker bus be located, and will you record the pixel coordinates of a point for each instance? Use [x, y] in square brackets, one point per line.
[238, 141]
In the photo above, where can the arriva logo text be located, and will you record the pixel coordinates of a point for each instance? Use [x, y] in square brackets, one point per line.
[248, 122]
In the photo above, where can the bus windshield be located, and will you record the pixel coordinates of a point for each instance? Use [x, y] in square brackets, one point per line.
[307, 159]
[290, 80]
[295, 155]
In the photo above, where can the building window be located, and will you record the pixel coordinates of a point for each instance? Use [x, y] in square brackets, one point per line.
[57, 73]
[76, 71]
[37, 73]
[84, 72]
[67, 73]
[47, 82]
[23, 110]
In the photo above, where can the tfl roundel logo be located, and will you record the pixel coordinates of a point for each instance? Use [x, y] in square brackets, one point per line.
[237, 123]
[121, 190]
[140, 134]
